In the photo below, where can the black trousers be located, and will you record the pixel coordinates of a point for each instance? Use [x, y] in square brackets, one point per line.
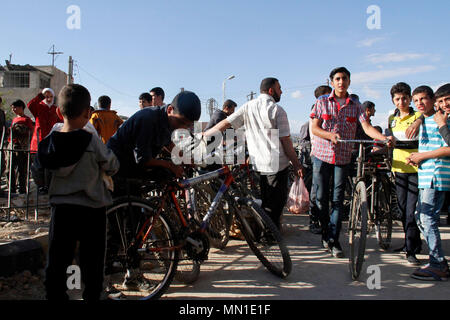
[69, 224]
[407, 193]
[274, 194]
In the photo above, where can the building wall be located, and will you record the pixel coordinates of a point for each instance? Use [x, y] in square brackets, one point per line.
[57, 82]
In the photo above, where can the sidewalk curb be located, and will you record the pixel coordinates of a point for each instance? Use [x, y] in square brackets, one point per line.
[20, 255]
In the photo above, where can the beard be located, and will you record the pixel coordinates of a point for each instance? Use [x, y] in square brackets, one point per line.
[276, 97]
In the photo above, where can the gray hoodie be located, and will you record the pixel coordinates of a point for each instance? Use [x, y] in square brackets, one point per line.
[77, 161]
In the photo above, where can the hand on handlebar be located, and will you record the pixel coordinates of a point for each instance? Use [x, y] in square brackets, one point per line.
[334, 138]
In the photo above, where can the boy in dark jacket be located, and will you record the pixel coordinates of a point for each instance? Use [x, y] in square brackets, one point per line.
[78, 196]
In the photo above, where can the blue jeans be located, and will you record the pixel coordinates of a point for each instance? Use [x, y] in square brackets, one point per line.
[322, 174]
[427, 217]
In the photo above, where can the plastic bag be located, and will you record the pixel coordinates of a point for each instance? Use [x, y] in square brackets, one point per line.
[298, 201]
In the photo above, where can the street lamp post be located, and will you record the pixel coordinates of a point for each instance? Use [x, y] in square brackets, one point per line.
[223, 86]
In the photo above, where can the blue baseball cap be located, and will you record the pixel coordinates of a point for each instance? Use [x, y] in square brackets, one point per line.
[188, 105]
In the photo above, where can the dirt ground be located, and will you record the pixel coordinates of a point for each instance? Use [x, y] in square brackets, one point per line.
[235, 273]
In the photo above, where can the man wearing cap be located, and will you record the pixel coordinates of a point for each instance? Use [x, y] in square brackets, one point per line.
[137, 144]
[43, 109]
[142, 137]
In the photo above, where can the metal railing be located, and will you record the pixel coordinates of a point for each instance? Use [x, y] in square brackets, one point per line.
[13, 198]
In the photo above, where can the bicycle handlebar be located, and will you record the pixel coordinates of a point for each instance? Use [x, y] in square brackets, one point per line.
[364, 141]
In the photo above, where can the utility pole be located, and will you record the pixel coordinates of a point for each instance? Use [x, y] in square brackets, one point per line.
[250, 96]
[10, 57]
[328, 82]
[70, 75]
[53, 53]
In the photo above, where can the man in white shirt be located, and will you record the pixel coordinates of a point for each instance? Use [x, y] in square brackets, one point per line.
[269, 144]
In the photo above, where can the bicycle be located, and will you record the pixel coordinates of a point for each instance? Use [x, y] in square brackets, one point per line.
[370, 204]
[151, 249]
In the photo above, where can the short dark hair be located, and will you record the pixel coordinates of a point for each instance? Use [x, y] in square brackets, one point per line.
[19, 103]
[400, 87]
[73, 99]
[424, 89]
[367, 105]
[229, 104]
[354, 96]
[267, 83]
[104, 102]
[145, 96]
[442, 91]
[322, 90]
[159, 92]
[339, 70]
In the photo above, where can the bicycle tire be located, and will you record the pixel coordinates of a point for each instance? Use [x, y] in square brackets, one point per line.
[263, 237]
[219, 226]
[154, 264]
[358, 229]
[383, 217]
[188, 269]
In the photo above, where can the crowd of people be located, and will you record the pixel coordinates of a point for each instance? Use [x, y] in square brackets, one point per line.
[78, 151]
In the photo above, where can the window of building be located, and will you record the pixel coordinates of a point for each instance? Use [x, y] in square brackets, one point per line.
[44, 82]
[16, 80]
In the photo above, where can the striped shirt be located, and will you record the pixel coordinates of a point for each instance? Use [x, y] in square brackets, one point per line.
[433, 173]
[337, 119]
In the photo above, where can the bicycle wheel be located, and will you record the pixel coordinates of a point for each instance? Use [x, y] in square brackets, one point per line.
[188, 269]
[139, 272]
[263, 237]
[219, 225]
[383, 215]
[358, 229]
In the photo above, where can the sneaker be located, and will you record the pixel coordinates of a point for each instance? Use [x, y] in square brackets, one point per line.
[412, 260]
[429, 273]
[325, 244]
[314, 227]
[336, 251]
[137, 282]
[111, 293]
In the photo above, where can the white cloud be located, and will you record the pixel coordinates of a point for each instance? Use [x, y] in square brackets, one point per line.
[369, 42]
[372, 76]
[297, 94]
[371, 93]
[394, 57]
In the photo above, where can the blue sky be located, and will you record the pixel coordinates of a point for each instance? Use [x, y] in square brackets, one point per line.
[125, 48]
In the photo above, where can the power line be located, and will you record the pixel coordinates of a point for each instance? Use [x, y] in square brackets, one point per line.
[104, 84]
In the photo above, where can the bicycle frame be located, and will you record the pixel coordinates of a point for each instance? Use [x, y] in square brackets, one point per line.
[185, 185]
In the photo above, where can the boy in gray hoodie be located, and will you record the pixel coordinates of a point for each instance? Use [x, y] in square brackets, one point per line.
[78, 196]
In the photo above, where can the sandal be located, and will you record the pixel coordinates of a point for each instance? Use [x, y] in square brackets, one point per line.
[429, 273]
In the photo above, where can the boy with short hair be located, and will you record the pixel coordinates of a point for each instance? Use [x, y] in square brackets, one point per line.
[145, 100]
[21, 128]
[434, 180]
[105, 120]
[78, 196]
[406, 178]
[334, 117]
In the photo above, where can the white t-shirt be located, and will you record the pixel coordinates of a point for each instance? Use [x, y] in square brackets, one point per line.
[265, 123]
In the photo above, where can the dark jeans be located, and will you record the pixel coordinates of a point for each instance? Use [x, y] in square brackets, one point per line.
[19, 161]
[274, 194]
[407, 195]
[322, 176]
[69, 224]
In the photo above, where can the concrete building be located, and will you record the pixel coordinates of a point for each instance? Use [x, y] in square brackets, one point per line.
[25, 82]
